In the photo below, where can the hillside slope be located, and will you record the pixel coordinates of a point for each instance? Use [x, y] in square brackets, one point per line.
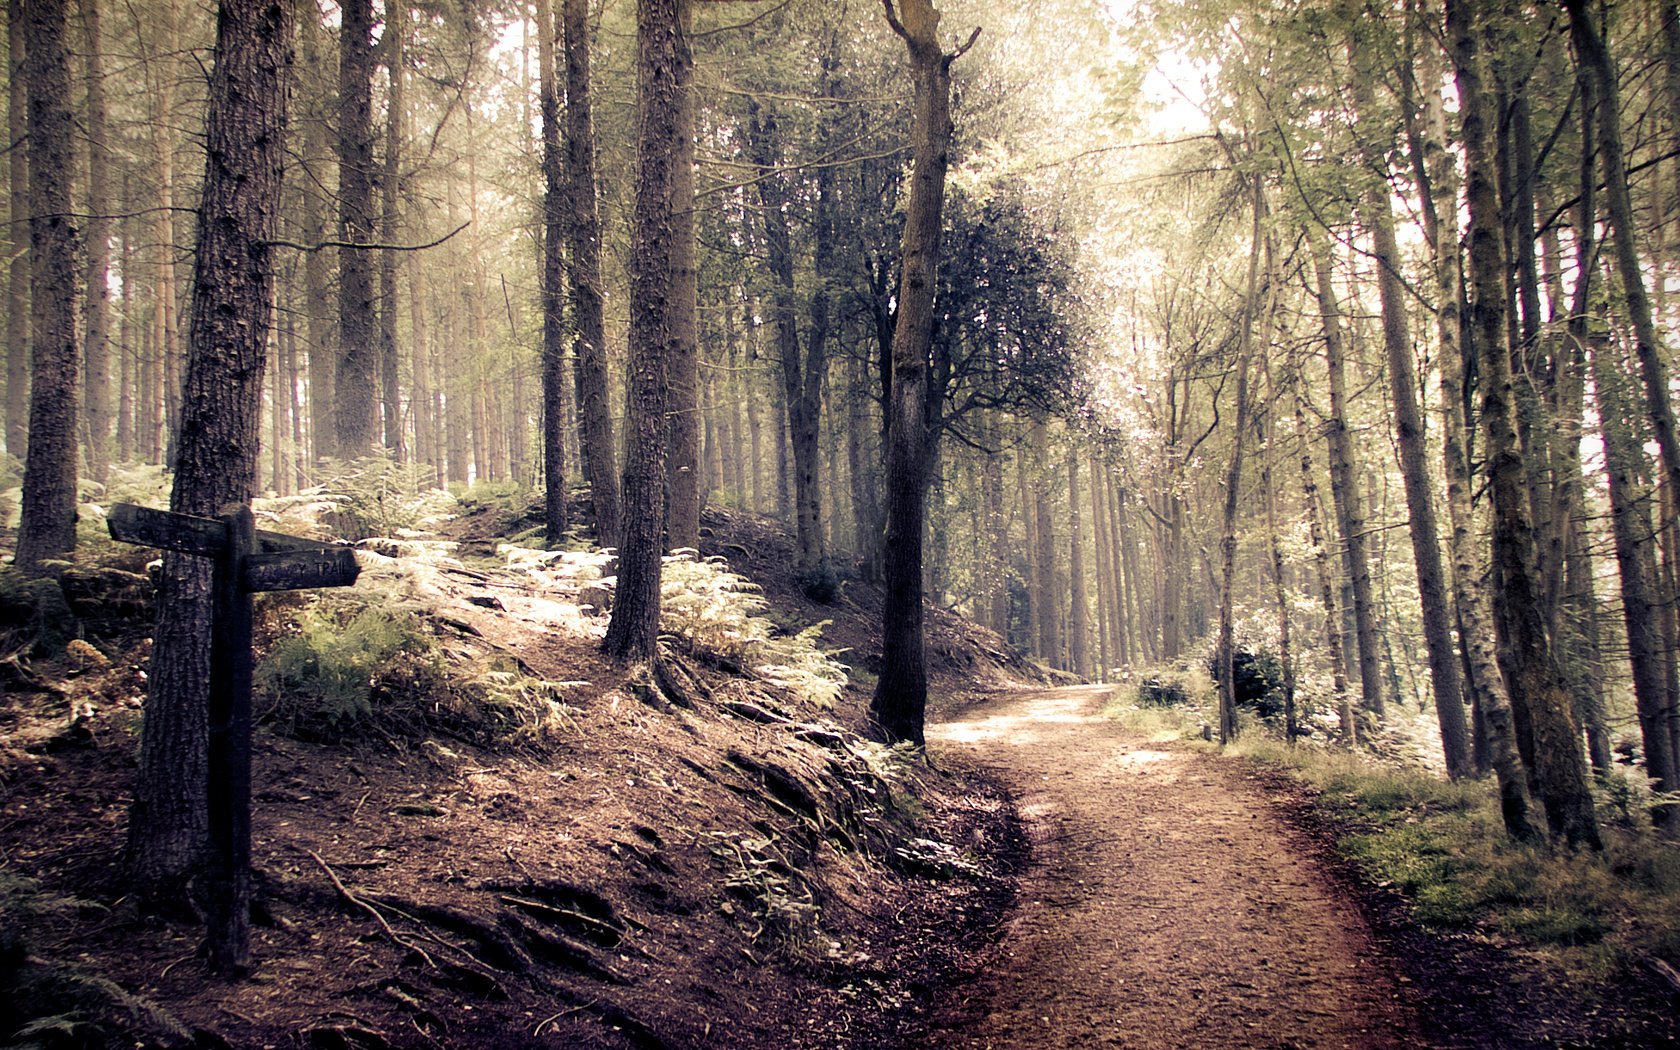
[511, 842]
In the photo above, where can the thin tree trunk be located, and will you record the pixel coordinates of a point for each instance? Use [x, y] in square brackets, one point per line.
[1045, 594]
[58, 253]
[393, 41]
[1344, 490]
[1225, 651]
[319, 309]
[1102, 545]
[355, 408]
[596, 444]
[682, 522]
[555, 382]
[1079, 623]
[126, 372]
[633, 631]
[1414, 468]
[1323, 561]
[900, 698]
[1594, 57]
[991, 480]
[96, 350]
[17, 274]
[802, 366]
[1530, 666]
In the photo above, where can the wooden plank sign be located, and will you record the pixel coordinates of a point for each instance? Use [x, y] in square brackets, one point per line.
[301, 569]
[245, 561]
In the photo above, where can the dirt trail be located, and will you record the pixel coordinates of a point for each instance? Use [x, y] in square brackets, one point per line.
[1166, 904]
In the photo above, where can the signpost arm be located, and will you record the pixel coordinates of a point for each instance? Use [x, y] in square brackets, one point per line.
[230, 749]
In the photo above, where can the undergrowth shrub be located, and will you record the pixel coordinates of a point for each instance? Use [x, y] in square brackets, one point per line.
[373, 497]
[47, 1002]
[707, 608]
[1441, 844]
[352, 670]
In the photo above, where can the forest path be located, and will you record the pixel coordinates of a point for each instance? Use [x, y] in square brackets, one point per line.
[1167, 904]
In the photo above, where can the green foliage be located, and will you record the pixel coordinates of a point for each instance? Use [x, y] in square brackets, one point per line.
[1155, 691]
[370, 497]
[1441, 845]
[710, 609]
[34, 614]
[46, 1003]
[322, 679]
[353, 669]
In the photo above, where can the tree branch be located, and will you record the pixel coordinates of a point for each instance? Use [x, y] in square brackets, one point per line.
[369, 247]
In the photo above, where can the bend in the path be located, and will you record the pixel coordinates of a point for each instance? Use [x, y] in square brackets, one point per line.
[1166, 905]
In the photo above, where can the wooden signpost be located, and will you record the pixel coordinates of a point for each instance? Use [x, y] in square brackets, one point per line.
[245, 561]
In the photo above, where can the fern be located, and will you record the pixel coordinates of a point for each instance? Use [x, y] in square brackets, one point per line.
[710, 608]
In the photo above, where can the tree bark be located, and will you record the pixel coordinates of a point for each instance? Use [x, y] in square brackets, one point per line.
[1079, 619]
[96, 350]
[47, 518]
[1631, 497]
[683, 493]
[1225, 651]
[1414, 460]
[1344, 490]
[17, 273]
[802, 365]
[1530, 666]
[633, 631]
[1594, 57]
[355, 408]
[596, 444]
[1324, 564]
[319, 310]
[233, 289]
[555, 381]
[900, 701]
[394, 42]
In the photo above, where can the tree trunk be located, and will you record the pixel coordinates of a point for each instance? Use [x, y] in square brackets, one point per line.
[682, 521]
[1530, 666]
[1414, 468]
[395, 45]
[47, 517]
[355, 409]
[1079, 622]
[900, 700]
[1102, 545]
[555, 382]
[1046, 598]
[1594, 57]
[1636, 564]
[233, 289]
[596, 444]
[633, 631]
[1494, 721]
[17, 274]
[96, 351]
[802, 366]
[161, 408]
[1225, 651]
[997, 525]
[1344, 490]
[126, 349]
[319, 309]
[1626, 470]
[1325, 566]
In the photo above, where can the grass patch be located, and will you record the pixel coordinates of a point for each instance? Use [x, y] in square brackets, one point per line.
[1442, 845]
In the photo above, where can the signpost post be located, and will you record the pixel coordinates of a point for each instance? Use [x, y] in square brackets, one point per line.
[245, 561]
